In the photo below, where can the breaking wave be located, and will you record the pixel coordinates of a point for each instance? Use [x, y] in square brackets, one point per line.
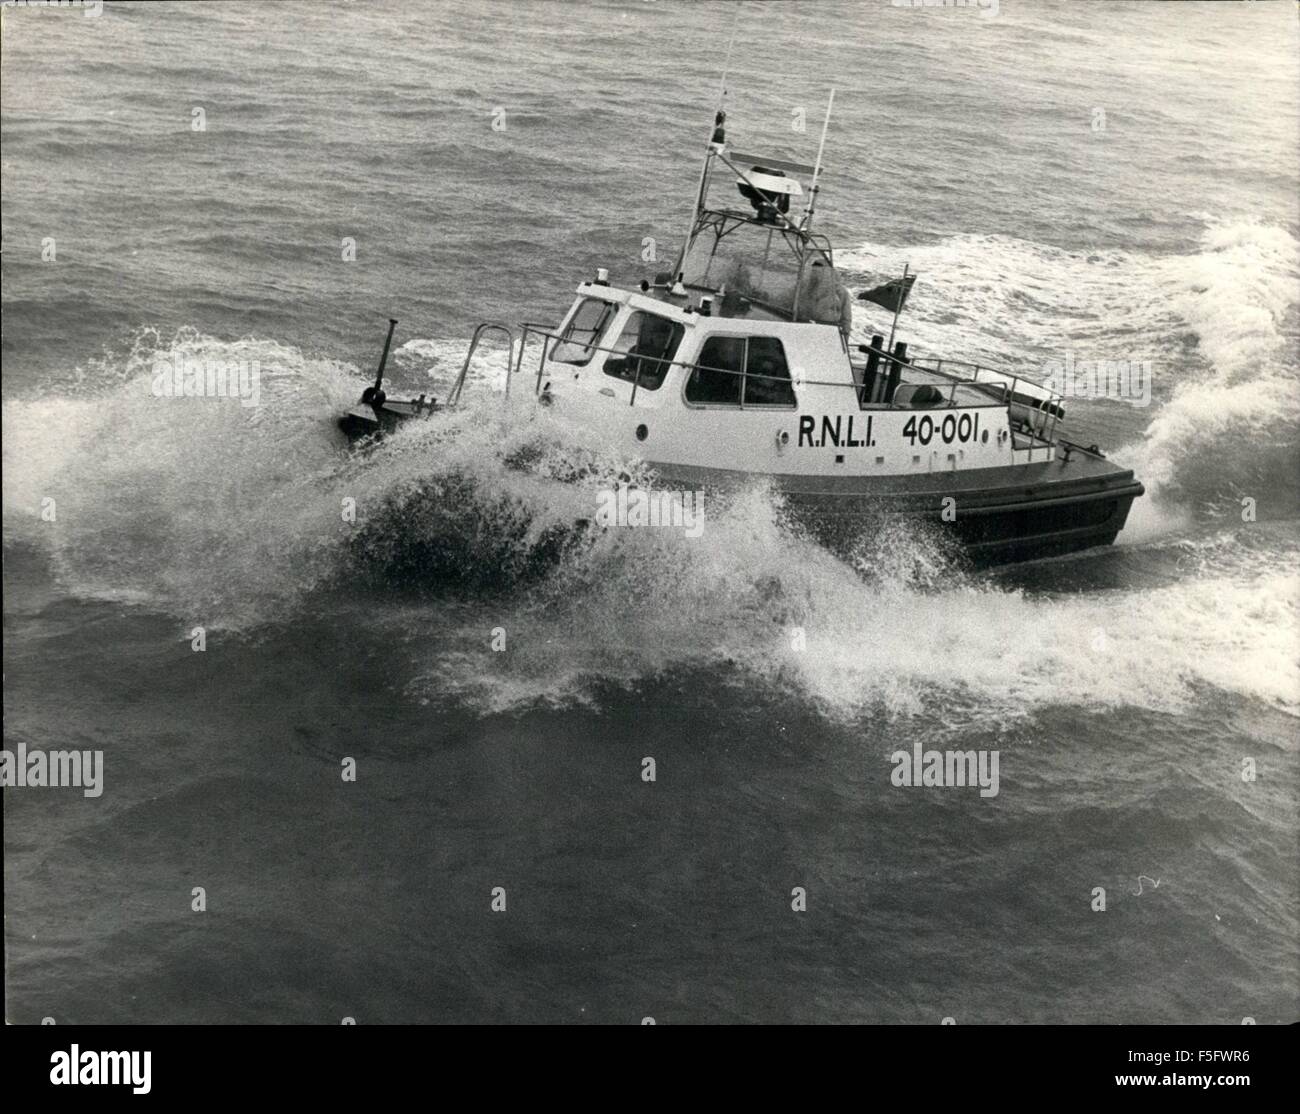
[238, 517]
[1220, 326]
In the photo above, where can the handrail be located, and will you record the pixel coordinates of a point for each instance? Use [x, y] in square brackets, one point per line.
[1006, 382]
[807, 243]
[664, 360]
[1050, 406]
[529, 328]
[454, 396]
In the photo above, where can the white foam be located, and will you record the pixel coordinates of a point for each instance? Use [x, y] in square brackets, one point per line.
[1234, 298]
[229, 515]
[201, 506]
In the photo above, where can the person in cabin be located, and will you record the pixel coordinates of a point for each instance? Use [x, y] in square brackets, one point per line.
[816, 296]
[645, 359]
[829, 301]
[846, 310]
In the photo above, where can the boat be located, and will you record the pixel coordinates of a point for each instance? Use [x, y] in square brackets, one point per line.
[737, 364]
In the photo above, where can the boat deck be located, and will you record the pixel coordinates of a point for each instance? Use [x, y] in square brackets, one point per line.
[956, 392]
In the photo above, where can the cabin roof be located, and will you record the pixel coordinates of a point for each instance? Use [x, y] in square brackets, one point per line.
[660, 301]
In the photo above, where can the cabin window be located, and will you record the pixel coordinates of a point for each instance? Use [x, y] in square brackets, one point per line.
[767, 376]
[716, 378]
[724, 369]
[583, 331]
[644, 350]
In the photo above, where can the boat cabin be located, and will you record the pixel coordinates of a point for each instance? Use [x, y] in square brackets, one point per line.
[739, 364]
[740, 358]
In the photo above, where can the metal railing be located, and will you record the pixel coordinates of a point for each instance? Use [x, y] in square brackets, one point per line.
[531, 329]
[1051, 407]
[722, 222]
[454, 396]
[999, 386]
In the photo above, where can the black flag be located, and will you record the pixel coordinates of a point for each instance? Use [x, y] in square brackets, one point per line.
[891, 294]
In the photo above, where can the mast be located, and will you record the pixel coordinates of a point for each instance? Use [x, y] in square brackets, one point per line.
[806, 223]
[898, 309]
[717, 136]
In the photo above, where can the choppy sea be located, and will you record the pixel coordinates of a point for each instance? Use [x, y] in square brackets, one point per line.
[1111, 181]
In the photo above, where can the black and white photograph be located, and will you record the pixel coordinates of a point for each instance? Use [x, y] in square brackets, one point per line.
[650, 512]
